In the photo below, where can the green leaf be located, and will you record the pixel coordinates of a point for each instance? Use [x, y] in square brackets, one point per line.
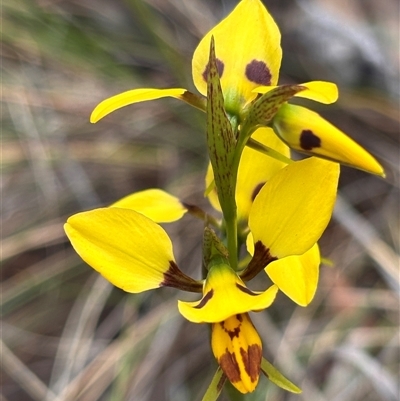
[216, 386]
[220, 137]
[277, 377]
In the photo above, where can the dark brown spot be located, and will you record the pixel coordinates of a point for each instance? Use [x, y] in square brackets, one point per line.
[175, 278]
[258, 72]
[220, 68]
[205, 299]
[231, 333]
[256, 190]
[245, 290]
[261, 258]
[308, 140]
[239, 317]
[252, 361]
[230, 366]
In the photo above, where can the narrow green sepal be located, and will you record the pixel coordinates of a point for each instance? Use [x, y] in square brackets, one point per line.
[277, 377]
[266, 150]
[263, 110]
[220, 136]
[216, 386]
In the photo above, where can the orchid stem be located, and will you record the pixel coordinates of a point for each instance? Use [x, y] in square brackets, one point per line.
[232, 242]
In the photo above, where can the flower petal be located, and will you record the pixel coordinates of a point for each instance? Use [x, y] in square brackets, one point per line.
[127, 248]
[297, 276]
[306, 131]
[237, 347]
[255, 169]
[157, 205]
[293, 209]
[225, 295]
[247, 44]
[123, 99]
[320, 91]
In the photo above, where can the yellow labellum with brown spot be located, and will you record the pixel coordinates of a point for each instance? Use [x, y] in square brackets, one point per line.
[237, 347]
[224, 295]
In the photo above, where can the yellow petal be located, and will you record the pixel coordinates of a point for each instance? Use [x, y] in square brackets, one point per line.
[225, 295]
[292, 210]
[157, 205]
[320, 91]
[306, 131]
[297, 276]
[247, 44]
[116, 102]
[237, 347]
[127, 248]
[255, 169]
[250, 244]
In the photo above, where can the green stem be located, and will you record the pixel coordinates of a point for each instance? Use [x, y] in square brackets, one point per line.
[230, 215]
[231, 235]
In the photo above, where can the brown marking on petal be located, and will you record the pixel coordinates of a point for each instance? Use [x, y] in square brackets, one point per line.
[175, 278]
[308, 140]
[231, 333]
[261, 258]
[239, 317]
[205, 299]
[256, 190]
[230, 366]
[245, 290]
[220, 67]
[258, 72]
[252, 361]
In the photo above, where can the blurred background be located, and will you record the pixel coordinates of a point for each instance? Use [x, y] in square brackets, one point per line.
[67, 334]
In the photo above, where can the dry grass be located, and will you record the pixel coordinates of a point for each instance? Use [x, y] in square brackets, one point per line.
[67, 335]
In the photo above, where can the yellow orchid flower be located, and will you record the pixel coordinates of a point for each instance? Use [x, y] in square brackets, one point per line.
[287, 218]
[249, 55]
[279, 207]
[135, 254]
